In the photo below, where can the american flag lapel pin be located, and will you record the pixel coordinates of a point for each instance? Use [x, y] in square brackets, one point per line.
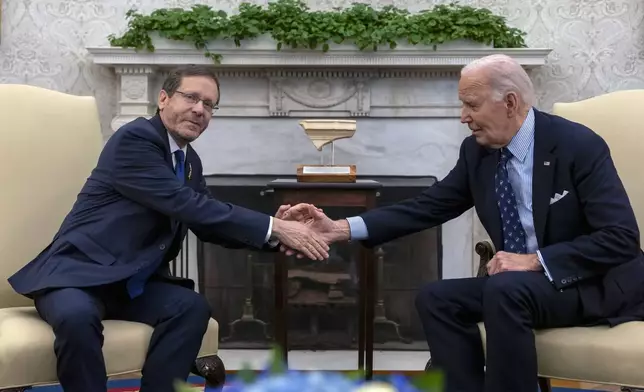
[189, 171]
[546, 163]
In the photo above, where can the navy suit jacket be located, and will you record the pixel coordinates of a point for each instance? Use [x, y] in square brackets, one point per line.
[589, 239]
[132, 212]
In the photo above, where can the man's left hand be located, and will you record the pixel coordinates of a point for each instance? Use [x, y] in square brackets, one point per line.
[504, 261]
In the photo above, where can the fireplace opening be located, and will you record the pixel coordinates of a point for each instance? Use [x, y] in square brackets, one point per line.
[322, 296]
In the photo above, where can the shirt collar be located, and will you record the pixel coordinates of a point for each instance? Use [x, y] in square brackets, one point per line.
[174, 147]
[521, 142]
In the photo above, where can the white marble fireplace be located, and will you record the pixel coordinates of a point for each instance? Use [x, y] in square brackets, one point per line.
[404, 100]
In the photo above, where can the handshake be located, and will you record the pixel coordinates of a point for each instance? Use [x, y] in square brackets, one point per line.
[304, 230]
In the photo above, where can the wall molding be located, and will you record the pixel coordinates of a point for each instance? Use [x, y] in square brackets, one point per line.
[529, 58]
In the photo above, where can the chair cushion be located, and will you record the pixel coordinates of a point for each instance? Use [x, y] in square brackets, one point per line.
[27, 347]
[596, 354]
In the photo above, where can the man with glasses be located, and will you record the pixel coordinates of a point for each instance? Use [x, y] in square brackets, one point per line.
[110, 257]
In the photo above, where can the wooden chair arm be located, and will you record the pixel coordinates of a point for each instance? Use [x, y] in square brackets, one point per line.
[485, 250]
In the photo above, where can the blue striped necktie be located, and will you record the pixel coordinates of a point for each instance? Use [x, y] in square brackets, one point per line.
[180, 166]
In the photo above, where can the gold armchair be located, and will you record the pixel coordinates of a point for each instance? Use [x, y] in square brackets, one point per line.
[599, 354]
[51, 142]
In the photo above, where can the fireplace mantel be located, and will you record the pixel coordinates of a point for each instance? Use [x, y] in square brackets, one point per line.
[260, 81]
[262, 53]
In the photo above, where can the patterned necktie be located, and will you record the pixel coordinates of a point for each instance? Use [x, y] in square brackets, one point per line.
[179, 167]
[513, 234]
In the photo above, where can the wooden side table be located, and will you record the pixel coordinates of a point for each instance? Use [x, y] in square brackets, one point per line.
[361, 193]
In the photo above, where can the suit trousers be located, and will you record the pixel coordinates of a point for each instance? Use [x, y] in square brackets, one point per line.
[510, 304]
[179, 316]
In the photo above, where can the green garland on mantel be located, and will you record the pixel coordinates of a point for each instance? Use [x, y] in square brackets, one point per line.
[291, 23]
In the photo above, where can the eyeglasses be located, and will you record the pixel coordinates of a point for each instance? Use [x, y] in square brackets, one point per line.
[195, 99]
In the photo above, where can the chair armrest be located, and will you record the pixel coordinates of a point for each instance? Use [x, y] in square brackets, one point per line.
[485, 250]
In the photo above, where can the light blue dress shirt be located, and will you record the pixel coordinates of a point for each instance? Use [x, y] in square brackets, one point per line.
[520, 172]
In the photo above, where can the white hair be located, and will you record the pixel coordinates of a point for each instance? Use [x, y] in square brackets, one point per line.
[506, 75]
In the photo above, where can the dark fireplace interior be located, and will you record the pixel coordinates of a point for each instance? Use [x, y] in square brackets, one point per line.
[322, 296]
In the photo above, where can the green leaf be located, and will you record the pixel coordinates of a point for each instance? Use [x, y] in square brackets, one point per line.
[430, 382]
[355, 375]
[246, 374]
[290, 22]
[276, 365]
[180, 386]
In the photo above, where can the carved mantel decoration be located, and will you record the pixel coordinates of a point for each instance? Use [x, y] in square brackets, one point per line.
[343, 82]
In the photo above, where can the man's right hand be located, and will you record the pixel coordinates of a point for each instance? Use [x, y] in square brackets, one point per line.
[301, 238]
[330, 230]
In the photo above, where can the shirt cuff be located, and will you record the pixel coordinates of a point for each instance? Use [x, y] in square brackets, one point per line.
[268, 240]
[545, 267]
[357, 228]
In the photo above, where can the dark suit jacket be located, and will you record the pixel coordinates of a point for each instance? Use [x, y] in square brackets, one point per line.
[133, 211]
[589, 239]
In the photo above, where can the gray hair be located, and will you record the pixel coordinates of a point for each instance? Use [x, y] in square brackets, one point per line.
[506, 76]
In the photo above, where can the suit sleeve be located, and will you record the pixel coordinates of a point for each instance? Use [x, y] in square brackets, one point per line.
[207, 236]
[445, 200]
[141, 173]
[613, 236]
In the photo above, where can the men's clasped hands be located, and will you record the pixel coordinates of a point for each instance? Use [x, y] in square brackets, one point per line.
[313, 231]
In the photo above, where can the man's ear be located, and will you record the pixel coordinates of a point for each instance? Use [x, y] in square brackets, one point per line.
[163, 99]
[511, 104]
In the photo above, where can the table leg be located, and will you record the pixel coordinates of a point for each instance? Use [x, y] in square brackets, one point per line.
[362, 277]
[369, 310]
[281, 315]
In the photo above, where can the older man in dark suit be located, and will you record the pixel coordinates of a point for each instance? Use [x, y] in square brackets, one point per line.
[547, 192]
[110, 256]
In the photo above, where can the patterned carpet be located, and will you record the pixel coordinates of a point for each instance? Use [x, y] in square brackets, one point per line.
[129, 385]
[132, 385]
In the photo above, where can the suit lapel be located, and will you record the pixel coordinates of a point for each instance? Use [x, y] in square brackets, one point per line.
[163, 132]
[543, 172]
[488, 169]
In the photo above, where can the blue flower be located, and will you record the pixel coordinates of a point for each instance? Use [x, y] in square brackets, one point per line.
[401, 383]
[297, 382]
[317, 381]
[276, 377]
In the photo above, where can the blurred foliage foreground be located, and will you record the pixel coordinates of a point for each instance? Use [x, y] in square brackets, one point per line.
[277, 378]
